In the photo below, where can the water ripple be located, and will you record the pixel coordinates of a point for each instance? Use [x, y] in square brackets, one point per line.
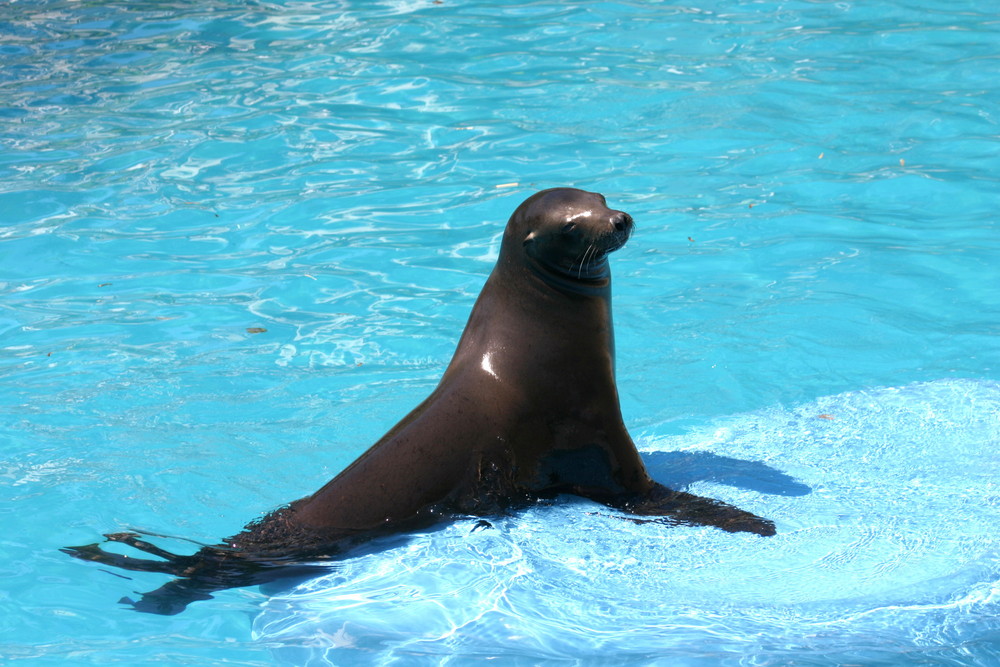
[815, 187]
[894, 542]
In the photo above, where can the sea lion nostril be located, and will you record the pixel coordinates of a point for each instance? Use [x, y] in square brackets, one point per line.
[621, 221]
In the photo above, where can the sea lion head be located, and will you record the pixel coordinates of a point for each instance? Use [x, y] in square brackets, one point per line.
[565, 233]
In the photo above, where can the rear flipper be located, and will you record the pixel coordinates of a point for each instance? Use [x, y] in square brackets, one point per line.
[175, 595]
[211, 569]
[678, 507]
[171, 598]
[171, 563]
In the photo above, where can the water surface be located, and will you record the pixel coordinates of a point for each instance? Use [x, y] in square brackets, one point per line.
[815, 187]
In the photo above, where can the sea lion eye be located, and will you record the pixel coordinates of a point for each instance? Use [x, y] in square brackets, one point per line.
[568, 227]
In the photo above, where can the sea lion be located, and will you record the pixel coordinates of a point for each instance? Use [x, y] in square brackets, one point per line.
[527, 409]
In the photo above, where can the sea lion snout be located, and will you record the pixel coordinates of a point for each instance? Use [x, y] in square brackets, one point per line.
[621, 229]
[622, 222]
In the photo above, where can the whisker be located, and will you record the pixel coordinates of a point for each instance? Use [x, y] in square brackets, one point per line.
[579, 259]
[583, 260]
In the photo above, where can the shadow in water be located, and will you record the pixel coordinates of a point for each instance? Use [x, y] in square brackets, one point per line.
[678, 470]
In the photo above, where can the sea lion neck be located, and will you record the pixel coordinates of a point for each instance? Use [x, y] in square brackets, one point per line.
[534, 275]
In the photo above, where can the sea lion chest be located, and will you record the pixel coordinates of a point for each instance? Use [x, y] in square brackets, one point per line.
[538, 364]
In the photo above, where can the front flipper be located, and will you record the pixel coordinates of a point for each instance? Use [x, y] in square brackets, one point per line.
[678, 507]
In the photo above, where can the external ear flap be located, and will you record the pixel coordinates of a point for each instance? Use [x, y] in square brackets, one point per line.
[529, 238]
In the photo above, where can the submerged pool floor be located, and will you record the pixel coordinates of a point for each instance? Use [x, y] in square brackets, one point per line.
[239, 241]
[886, 553]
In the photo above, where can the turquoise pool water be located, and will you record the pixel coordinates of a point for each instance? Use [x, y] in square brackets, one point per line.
[807, 317]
